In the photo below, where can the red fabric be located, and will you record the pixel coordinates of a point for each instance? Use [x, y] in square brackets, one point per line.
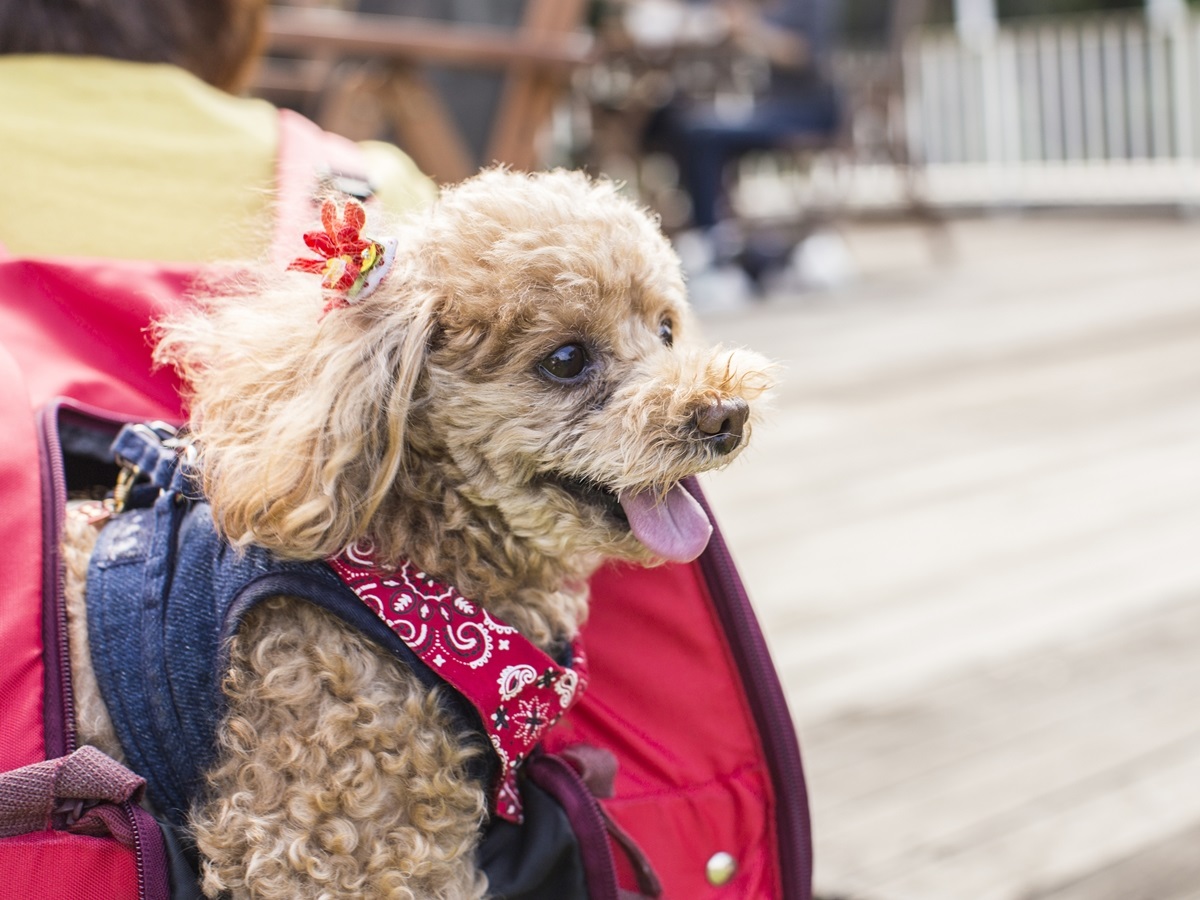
[665, 696]
[518, 690]
[77, 328]
[53, 865]
[21, 669]
[68, 328]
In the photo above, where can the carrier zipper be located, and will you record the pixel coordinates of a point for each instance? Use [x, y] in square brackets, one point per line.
[139, 852]
[770, 710]
[149, 853]
[59, 713]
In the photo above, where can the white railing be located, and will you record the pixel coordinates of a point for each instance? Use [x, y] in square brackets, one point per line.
[1047, 92]
[1099, 109]
[1089, 109]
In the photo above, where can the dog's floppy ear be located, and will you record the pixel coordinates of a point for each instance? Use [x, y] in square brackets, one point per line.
[300, 424]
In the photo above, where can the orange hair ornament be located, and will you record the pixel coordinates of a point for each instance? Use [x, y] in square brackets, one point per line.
[351, 266]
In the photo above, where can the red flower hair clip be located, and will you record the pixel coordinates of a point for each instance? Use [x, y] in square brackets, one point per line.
[351, 266]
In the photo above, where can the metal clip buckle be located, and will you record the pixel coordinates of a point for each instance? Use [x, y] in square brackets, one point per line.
[156, 432]
[125, 480]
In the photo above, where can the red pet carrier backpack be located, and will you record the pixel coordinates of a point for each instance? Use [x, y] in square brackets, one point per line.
[682, 691]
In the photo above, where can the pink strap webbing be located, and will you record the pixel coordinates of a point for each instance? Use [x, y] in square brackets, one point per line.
[31, 795]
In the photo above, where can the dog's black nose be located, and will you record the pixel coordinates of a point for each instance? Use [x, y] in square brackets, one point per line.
[722, 423]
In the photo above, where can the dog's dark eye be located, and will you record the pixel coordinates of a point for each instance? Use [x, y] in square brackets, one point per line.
[666, 332]
[566, 363]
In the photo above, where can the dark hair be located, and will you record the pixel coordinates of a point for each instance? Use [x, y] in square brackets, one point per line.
[215, 39]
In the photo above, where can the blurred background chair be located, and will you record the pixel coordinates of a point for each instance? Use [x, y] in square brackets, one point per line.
[456, 85]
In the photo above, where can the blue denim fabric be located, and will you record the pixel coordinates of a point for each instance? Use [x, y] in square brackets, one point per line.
[165, 594]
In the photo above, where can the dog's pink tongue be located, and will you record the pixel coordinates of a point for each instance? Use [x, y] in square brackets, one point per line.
[676, 528]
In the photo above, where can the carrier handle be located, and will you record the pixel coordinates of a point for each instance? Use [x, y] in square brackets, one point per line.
[33, 797]
[89, 793]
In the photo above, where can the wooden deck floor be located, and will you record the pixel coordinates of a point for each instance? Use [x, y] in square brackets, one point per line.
[972, 531]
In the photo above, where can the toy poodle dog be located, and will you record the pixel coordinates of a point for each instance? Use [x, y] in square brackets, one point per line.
[515, 402]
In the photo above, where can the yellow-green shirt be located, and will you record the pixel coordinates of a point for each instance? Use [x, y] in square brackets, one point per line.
[100, 157]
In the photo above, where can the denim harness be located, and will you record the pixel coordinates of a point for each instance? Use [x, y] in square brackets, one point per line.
[165, 595]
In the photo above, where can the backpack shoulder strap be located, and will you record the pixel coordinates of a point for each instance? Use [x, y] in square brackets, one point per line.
[309, 162]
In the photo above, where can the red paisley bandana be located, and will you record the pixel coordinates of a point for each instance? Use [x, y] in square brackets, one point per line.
[519, 691]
